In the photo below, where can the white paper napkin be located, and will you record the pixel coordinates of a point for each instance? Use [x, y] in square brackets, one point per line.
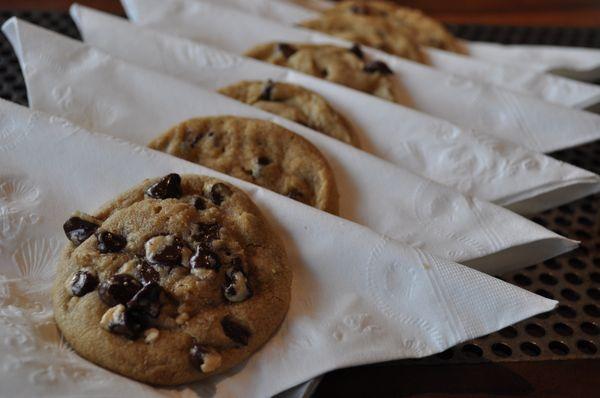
[485, 167]
[67, 78]
[518, 78]
[525, 120]
[351, 303]
[534, 57]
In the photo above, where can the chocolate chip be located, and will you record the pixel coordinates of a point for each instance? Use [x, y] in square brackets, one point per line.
[360, 9]
[147, 273]
[267, 91]
[78, 229]
[295, 194]
[219, 192]
[118, 289]
[127, 324]
[286, 49]
[197, 353]
[193, 138]
[236, 332]
[168, 187]
[236, 288]
[200, 203]
[204, 258]
[164, 251]
[109, 242]
[263, 160]
[83, 282]
[356, 50]
[377, 67]
[207, 233]
[147, 300]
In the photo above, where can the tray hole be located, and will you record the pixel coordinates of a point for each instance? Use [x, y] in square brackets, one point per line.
[581, 234]
[562, 221]
[595, 277]
[535, 330]
[594, 293]
[545, 293]
[559, 348]
[502, 350]
[573, 278]
[509, 332]
[563, 329]
[576, 263]
[587, 347]
[530, 349]
[522, 280]
[570, 294]
[566, 311]
[548, 279]
[596, 261]
[592, 310]
[472, 351]
[590, 328]
[585, 221]
[552, 264]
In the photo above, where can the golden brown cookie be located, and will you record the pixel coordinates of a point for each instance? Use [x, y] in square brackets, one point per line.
[294, 103]
[425, 30]
[258, 151]
[346, 66]
[176, 280]
[372, 31]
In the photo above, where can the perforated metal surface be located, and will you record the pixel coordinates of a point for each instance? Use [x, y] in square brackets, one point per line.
[573, 330]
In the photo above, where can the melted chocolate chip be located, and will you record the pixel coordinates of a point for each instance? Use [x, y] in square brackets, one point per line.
[128, 324]
[168, 187]
[200, 203]
[118, 289]
[78, 229]
[109, 242]
[147, 273]
[219, 192]
[207, 233]
[147, 300]
[377, 67]
[286, 49]
[204, 258]
[236, 288]
[197, 353]
[83, 283]
[235, 331]
[267, 91]
[168, 255]
[263, 160]
[356, 50]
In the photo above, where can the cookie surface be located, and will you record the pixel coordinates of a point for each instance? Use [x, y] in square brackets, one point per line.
[171, 282]
[294, 103]
[346, 66]
[372, 31]
[425, 30]
[257, 151]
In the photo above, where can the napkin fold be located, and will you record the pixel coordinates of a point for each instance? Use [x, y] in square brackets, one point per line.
[351, 304]
[89, 87]
[525, 120]
[519, 78]
[485, 167]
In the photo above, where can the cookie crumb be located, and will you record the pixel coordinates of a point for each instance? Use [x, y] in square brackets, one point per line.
[112, 316]
[151, 335]
[182, 318]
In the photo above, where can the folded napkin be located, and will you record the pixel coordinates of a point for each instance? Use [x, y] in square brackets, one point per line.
[519, 78]
[358, 297]
[523, 119]
[481, 166]
[542, 58]
[67, 78]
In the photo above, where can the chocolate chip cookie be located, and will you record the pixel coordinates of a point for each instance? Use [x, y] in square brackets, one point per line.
[176, 280]
[258, 151]
[372, 31]
[346, 66]
[425, 30]
[295, 103]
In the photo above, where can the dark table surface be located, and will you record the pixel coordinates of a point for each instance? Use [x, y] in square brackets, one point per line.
[484, 376]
